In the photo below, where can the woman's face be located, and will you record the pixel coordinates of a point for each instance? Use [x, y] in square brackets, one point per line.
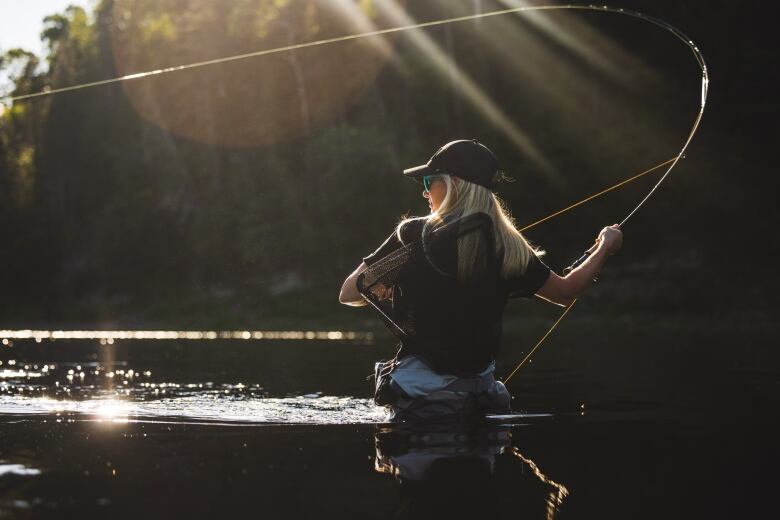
[436, 193]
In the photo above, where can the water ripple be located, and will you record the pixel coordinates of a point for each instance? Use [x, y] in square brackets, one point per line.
[206, 407]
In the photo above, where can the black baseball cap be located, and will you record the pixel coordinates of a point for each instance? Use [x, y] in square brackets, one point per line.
[468, 159]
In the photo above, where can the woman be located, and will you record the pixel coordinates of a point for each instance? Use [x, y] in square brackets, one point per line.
[447, 307]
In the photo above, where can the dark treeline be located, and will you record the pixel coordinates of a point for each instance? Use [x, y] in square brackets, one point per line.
[239, 182]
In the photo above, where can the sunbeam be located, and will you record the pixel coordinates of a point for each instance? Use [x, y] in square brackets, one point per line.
[445, 66]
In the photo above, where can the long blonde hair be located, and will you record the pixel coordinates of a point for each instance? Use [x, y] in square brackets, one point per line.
[466, 198]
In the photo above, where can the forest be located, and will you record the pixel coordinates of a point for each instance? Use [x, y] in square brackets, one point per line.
[247, 190]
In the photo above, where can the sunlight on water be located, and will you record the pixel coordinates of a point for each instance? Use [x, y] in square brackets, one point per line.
[308, 409]
[109, 336]
[18, 470]
[93, 391]
[111, 409]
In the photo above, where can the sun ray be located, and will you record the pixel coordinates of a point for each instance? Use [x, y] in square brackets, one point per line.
[445, 66]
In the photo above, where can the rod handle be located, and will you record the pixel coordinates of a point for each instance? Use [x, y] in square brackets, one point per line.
[577, 263]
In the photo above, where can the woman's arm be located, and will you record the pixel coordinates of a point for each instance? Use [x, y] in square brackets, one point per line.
[564, 290]
[349, 294]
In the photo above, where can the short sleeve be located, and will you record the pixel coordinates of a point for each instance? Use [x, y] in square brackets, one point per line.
[527, 284]
[409, 232]
[388, 246]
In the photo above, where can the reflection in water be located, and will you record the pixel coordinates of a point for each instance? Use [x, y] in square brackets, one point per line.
[555, 498]
[459, 470]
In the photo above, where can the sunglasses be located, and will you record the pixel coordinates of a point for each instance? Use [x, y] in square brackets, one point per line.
[428, 180]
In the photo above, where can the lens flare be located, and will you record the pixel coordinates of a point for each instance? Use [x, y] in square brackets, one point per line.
[269, 100]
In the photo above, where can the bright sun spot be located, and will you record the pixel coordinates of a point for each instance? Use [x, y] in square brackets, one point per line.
[112, 410]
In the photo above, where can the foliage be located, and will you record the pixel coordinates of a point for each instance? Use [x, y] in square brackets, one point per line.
[227, 182]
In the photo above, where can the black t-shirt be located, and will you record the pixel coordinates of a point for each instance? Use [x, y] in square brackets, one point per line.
[455, 327]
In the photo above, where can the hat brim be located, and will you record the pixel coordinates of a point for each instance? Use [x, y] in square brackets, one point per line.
[418, 172]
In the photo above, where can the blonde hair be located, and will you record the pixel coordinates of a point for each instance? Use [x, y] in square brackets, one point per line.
[464, 198]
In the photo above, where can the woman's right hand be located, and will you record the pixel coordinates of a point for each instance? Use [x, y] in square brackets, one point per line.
[382, 292]
[610, 238]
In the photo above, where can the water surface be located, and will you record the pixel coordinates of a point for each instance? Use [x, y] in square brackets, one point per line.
[286, 429]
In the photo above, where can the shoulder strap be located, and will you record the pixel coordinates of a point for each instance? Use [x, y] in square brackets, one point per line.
[389, 270]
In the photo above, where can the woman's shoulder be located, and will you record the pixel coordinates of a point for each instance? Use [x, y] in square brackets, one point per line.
[478, 219]
[472, 223]
[410, 228]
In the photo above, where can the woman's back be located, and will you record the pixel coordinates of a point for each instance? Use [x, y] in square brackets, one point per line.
[452, 323]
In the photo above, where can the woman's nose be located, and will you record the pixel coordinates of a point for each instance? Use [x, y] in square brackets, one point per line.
[426, 193]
